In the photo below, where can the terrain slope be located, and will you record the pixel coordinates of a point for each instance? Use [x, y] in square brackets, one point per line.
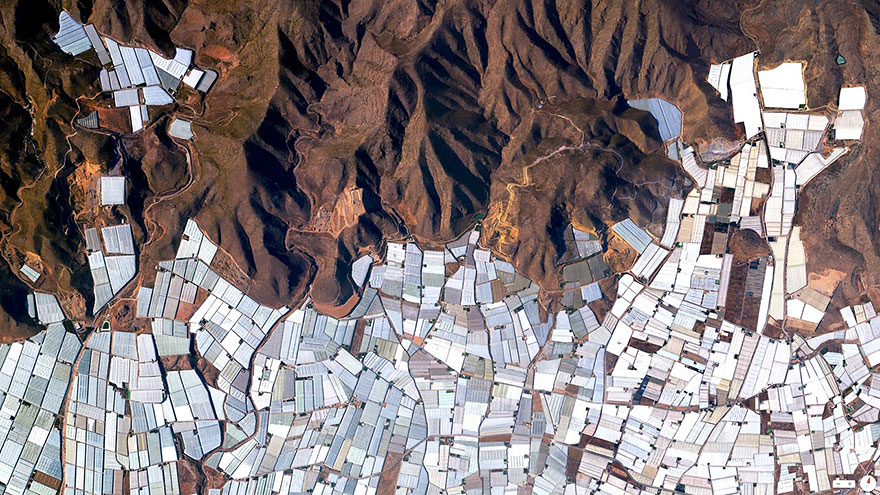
[335, 126]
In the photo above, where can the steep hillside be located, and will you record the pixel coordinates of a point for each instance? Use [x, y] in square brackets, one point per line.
[337, 125]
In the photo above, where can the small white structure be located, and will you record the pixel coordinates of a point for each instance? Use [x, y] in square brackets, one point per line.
[746, 108]
[181, 129]
[849, 124]
[126, 98]
[156, 95]
[192, 77]
[30, 273]
[112, 191]
[852, 98]
[783, 86]
[360, 268]
[719, 76]
[137, 118]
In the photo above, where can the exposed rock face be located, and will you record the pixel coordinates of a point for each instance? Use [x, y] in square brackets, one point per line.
[336, 125]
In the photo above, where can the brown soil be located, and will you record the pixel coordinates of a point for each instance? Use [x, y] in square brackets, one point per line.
[175, 363]
[390, 474]
[825, 282]
[208, 371]
[189, 476]
[746, 245]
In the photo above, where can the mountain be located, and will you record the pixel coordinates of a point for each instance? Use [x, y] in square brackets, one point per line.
[337, 125]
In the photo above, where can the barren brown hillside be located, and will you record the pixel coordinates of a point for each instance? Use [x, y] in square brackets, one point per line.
[434, 112]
